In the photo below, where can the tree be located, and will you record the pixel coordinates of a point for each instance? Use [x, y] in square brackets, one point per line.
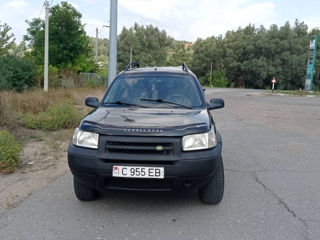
[16, 73]
[6, 38]
[204, 52]
[68, 43]
[253, 55]
[149, 46]
[179, 53]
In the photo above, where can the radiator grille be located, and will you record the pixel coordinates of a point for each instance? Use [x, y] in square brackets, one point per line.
[157, 148]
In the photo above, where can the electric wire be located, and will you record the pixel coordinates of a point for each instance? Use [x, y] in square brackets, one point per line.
[41, 10]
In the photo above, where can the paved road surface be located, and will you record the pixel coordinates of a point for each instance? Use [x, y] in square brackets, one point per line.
[272, 160]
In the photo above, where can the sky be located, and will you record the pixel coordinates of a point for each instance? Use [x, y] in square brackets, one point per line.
[182, 19]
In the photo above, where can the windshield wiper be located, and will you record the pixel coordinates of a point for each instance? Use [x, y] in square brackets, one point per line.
[124, 103]
[159, 100]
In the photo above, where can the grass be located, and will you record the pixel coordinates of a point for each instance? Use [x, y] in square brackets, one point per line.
[14, 105]
[59, 116]
[9, 152]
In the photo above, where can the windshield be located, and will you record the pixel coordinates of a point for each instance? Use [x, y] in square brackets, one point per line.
[176, 91]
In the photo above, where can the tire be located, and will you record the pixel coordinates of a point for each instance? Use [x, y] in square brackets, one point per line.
[83, 192]
[212, 193]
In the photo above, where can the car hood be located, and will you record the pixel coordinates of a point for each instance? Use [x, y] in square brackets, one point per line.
[146, 121]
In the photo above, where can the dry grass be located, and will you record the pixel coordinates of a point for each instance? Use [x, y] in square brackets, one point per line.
[14, 105]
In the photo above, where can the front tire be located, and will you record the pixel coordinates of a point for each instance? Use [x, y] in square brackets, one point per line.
[212, 193]
[83, 192]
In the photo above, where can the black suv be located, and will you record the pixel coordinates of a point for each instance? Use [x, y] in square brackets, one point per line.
[151, 131]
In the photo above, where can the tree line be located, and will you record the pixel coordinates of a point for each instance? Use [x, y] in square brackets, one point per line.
[247, 57]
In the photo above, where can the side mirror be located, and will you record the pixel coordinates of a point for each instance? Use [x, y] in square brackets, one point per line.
[92, 102]
[215, 103]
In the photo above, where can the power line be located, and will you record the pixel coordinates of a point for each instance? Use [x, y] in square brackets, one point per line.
[41, 10]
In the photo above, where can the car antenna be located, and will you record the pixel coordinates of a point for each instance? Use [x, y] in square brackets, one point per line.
[131, 65]
[184, 67]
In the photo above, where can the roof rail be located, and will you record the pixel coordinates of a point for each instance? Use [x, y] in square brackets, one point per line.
[184, 67]
[132, 65]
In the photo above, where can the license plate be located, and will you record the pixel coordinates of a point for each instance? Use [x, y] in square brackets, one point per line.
[138, 172]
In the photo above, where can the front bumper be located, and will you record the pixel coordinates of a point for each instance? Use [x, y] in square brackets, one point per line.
[184, 170]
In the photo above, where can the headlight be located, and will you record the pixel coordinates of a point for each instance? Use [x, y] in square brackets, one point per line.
[85, 139]
[199, 141]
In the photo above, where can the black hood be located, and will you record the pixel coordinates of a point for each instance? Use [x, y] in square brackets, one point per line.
[146, 121]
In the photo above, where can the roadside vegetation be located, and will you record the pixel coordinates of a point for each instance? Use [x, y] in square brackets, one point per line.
[18, 108]
[58, 116]
[34, 109]
[9, 152]
[219, 79]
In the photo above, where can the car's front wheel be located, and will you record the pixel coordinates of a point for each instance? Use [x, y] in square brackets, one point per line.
[212, 193]
[83, 192]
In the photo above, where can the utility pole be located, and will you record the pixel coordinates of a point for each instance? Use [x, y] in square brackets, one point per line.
[46, 47]
[113, 40]
[97, 45]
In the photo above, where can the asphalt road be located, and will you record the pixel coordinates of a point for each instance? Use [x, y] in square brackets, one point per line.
[272, 172]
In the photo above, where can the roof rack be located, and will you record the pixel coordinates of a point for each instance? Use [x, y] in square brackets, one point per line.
[131, 65]
[184, 67]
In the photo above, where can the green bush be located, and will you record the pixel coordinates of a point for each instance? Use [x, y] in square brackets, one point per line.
[54, 79]
[16, 73]
[9, 152]
[58, 116]
[204, 81]
[218, 78]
